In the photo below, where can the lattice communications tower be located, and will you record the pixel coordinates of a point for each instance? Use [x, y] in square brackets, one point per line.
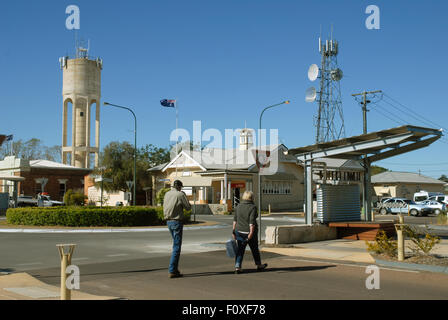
[330, 117]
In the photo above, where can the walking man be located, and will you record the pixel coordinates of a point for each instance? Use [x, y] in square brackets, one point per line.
[174, 203]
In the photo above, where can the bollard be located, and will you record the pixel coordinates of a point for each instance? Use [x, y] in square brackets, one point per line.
[400, 238]
[269, 209]
[66, 260]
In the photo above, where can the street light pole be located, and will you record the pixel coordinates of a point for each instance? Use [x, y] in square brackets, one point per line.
[259, 164]
[135, 148]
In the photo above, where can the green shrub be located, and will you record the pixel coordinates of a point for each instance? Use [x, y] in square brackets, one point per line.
[161, 195]
[383, 245]
[421, 243]
[74, 198]
[88, 216]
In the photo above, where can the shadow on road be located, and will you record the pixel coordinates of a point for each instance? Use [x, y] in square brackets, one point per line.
[7, 270]
[40, 276]
[248, 271]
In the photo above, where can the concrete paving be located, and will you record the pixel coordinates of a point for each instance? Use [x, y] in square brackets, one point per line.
[22, 286]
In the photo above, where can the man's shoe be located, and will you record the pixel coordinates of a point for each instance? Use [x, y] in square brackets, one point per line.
[176, 275]
[238, 271]
[262, 267]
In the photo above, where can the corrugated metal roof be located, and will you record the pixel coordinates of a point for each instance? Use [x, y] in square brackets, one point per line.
[333, 163]
[403, 177]
[52, 165]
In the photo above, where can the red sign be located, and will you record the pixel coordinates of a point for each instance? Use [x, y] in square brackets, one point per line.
[238, 185]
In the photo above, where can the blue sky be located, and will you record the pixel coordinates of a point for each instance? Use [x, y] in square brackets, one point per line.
[225, 61]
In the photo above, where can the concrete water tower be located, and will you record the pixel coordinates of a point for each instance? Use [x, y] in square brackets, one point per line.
[82, 88]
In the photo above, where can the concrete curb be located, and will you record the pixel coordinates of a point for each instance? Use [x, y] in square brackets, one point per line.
[412, 266]
[106, 230]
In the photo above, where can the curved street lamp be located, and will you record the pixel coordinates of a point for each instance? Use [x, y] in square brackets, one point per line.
[258, 161]
[135, 146]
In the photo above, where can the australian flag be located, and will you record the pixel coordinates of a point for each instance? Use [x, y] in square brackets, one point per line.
[9, 138]
[168, 103]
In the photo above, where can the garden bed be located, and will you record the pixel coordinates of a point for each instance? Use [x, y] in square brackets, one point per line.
[88, 216]
[433, 259]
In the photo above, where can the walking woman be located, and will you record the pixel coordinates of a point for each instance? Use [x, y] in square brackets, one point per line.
[245, 230]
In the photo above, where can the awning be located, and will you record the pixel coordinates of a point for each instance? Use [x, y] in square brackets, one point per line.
[12, 178]
[375, 146]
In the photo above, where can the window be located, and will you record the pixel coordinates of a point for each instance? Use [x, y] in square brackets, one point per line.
[61, 190]
[186, 174]
[279, 187]
[38, 188]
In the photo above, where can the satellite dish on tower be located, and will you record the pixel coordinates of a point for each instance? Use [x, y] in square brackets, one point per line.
[336, 75]
[313, 72]
[311, 94]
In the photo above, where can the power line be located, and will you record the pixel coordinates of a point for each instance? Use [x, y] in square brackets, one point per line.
[419, 115]
[443, 140]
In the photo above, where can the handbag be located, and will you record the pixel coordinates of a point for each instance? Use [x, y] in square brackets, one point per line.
[231, 248]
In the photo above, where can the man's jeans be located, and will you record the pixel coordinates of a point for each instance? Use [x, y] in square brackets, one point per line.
[242, 243]
[176, 228]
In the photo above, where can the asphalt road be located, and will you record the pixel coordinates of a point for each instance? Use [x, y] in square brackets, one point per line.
[29, 251]
[209, 276]
[133, 265]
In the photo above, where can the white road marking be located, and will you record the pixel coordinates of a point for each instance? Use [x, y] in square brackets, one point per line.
[79, 259]
[352, 265]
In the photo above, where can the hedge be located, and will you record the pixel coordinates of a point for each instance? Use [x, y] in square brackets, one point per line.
[88, 216]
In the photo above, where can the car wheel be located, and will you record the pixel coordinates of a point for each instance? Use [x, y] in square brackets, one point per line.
[383, 211]
[414, 213]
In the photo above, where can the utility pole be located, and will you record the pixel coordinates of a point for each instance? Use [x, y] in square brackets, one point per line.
[364, 106]
[368, 215]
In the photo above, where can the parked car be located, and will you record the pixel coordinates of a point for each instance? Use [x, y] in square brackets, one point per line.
[439, 198]
[425, 195]
[379, 203]
[436, 207]
[403, 206]
[45, 201]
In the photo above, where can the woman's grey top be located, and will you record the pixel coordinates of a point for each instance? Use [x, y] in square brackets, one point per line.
[245, 215]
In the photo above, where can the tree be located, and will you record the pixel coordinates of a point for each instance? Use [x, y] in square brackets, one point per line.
[377, 169]
[32, 149]
[117, 159]
[443, 178]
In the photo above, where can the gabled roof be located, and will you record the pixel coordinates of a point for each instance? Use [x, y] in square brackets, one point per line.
[341, 164]
[159, 167]
[221, 159]
[404, 177]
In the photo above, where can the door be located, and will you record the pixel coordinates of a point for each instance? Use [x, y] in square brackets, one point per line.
[236, 197]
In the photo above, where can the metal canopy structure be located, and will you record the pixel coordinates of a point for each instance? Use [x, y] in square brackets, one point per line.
[365, 148]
